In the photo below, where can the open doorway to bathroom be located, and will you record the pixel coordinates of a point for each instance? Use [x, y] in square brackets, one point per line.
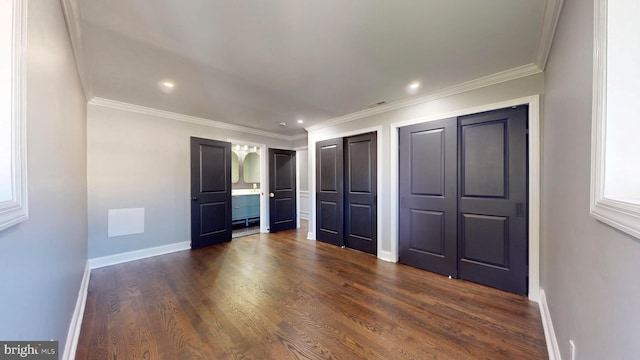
[245, 193]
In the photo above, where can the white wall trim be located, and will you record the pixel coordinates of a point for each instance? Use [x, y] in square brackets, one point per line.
[301, 215]
[119, 105]
[76, 320]
[298, 137]
[303, 194]
[386, 256]
[549, 24]
[534, 178]
[622, 215]
[549, 333]
[500, 77]
[109, 260]
[16, 210]
[72, 17]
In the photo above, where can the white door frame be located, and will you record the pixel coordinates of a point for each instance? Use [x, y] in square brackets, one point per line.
[264, 185]
[534, 178]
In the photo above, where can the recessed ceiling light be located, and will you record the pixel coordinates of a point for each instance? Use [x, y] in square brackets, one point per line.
[168, 84]
[413, 87]
[283, 124]
[300, 121]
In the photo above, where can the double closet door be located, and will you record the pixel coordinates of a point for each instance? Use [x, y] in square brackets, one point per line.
[463, 198]
[346, 209]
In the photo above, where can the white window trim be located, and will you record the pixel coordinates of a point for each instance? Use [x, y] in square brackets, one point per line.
[15, 210]
[624, 216]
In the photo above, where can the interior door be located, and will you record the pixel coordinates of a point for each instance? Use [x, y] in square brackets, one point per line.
[330, 191]
[428, 196]
[360, 183]
[210, 192]
[282, 190]
[493, 199]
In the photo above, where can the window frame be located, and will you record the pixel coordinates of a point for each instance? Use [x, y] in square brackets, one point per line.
[620, 214]
[15, 210]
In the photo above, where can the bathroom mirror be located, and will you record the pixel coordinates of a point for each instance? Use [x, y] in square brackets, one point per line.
[235, 168]
[251, 168]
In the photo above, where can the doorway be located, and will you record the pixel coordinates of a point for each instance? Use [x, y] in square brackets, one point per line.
[463, 197]
[246, 189]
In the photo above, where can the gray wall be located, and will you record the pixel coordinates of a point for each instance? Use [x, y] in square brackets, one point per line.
[589, 270]
[142, 161]
[42, 259]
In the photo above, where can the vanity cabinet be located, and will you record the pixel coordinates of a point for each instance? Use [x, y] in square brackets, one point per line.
[245, 209]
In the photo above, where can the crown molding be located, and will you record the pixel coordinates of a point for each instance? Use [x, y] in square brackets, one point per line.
[72, 18]
[549, 23]
[119, 105]
[299, 137]
[500, 77]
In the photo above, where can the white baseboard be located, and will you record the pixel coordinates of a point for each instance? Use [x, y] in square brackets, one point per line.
[137, 254]
[549, 333]
[385, 255]
[310, 236]
[76, 320]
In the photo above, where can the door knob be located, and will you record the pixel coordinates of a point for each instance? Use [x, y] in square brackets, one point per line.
[194, 198]
[272, 195]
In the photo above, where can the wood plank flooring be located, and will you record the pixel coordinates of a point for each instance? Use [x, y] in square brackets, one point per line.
[280, 296]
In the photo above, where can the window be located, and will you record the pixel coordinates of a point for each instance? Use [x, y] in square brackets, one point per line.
[13, 191]
[615, 170]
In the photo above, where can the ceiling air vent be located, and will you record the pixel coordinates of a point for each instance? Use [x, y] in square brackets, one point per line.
[376, 104]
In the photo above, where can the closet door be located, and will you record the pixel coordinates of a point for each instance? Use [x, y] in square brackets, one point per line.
[493, 243]
[361, 191]
[428, 196]
[330, 191]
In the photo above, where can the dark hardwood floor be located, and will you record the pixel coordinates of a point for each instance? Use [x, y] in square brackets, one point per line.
[280, 296]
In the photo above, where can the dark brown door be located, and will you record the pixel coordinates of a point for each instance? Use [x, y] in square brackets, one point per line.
[210, 192]
[282, 190]
[493, 199]
[330, 191]
[428, 196]
[361, 190]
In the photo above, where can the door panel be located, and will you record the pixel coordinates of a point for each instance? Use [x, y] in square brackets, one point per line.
[428, 196]
[483, 161]
[210, 192]
[427, 233]
[282, 190]
[361, 192]
[485, 239]
[493, 187]
[330, 193]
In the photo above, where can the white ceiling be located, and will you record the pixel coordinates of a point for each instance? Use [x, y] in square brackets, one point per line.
[258, 63]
